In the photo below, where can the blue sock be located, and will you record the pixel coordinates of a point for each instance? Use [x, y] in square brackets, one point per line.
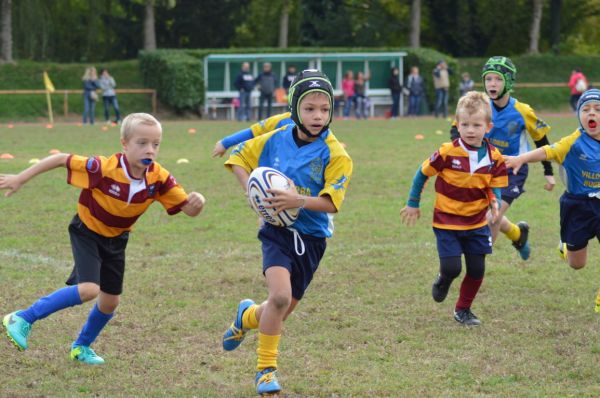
[95, 323]
[56, 301]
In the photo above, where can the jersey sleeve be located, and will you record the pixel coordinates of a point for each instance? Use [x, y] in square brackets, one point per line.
[171, 195]
[84, 172]
[270, 124]
[559, 150]
[337, 177]
[247, 154]
[535, 126]
[435, 163]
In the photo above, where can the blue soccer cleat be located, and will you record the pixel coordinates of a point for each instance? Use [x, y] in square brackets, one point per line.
[17, 330]
[234, 336]
[85, 354]
[522, 244]
[266, 382]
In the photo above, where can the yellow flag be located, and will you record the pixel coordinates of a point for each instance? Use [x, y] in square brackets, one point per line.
[48, 83]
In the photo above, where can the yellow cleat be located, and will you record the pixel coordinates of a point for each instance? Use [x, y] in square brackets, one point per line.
[562, 250]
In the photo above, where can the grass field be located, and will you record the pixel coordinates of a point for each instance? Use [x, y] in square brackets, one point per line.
[367, 326]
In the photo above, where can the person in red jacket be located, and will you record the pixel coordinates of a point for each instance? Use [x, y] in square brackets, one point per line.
[578, 84]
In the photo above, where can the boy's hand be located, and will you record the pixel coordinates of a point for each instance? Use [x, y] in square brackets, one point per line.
[285, 198]
[10, 182]
[219, 150]
[513, 162]
[550, 183]
[410, 215]
[194, 205]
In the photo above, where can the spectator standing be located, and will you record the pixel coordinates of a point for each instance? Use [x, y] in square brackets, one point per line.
[348, 90]
[396, 90]
[244, 83]
[441, 82]
[578, 83]
[416, 87]
[109, 96]
[360, 95]
[266, 85]
[90, 85]
[466, 84]
[287, 80]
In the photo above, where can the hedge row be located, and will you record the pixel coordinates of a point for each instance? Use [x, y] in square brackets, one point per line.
[27, 75]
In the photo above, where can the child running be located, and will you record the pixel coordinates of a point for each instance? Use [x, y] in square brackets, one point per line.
[470, 174]
[115, 191]
[579, 154]
[511, 120]
[310, 155]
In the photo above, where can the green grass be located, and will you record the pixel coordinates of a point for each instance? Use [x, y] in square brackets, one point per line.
[367, 325]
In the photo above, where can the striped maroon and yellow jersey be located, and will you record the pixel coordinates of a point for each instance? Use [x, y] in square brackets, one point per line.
[464, 184]
[111, 200]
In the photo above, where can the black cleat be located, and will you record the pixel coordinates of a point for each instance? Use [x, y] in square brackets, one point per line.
[466, 317]
[439, 289]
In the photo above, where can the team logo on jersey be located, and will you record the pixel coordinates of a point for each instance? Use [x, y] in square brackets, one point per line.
[115, 190]
[540, 124]
[316, 170]
[238, 148]
[276, 162]
[456, 164]
[92, 165]
[512, 127]
[583, 157]
[434, 157]
[339, 183]
[151, 190]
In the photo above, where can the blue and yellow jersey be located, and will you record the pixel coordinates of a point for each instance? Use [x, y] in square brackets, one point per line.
[260, 128]
[320, 168]
[511, 125]
[111, 200]
[464, 184]
[579, 154]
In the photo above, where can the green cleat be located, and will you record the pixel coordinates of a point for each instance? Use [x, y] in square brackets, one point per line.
[86, 355]
[17, 330]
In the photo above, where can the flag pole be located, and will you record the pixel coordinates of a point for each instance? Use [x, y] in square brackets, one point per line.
[49, 107]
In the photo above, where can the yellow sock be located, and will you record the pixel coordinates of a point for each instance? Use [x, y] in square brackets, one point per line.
[267, 351]
[598, 302]
[249, 320]
[513, 233]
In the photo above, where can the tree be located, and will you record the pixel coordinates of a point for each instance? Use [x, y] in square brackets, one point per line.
[284, 22]
[415, 24]
[534, 33]
[149, 32]
[6, 54]
[555, 9]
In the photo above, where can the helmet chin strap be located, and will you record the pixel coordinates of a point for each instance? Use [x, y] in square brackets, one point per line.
[308, 133]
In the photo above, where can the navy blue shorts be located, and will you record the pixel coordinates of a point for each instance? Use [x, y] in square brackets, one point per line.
[278, 250]
[451, 243]
[98, 259]
[516, 184]
[579, 220]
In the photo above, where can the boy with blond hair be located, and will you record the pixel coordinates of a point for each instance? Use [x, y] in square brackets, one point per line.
[115, 191]
[470, 174]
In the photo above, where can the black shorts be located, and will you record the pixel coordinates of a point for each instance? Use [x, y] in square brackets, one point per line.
[278, 250]
[516, 184]
[98, 259]
[579, 220]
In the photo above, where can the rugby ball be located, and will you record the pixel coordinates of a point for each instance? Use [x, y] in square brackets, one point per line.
[260, 180]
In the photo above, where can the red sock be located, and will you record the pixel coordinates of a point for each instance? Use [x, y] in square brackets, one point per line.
[468, 290]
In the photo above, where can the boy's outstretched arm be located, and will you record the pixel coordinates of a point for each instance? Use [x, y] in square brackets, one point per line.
[515, 162]
[195, 204]
[13, 182]
[411, 212]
